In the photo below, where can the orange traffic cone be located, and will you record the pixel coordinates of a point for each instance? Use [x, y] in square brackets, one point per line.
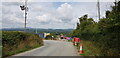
[80, 49]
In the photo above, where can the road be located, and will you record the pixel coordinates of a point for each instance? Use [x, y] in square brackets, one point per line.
[52, 48]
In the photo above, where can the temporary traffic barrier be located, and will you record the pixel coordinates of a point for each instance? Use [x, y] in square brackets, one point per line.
[76, 39]
[69, 38]
[80, 49]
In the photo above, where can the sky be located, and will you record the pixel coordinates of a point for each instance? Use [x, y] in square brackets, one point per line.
[50, 15]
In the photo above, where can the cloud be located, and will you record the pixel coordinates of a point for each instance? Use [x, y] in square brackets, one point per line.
[60, 0]
[65, 12]
[61, 14]
[0, 15]
[11, 15]
[44, 18]
[48, 14]
[64, 8]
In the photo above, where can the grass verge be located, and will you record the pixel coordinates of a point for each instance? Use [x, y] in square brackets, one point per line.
[15, 42]
[90, 49]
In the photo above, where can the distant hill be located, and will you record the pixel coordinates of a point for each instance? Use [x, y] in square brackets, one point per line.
[39, 30]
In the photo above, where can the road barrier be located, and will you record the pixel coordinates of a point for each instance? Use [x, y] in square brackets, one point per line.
[80, 49]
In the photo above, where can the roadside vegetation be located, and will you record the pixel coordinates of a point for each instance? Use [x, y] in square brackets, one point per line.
[0, 43]
[100, 38]
[15, 42]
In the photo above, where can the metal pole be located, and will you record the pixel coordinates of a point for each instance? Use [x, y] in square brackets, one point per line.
[98, 10]
[25, 14]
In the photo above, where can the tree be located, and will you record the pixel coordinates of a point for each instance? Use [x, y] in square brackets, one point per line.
[106, 31]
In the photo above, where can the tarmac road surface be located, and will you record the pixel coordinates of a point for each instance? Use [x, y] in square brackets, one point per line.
[52, 48]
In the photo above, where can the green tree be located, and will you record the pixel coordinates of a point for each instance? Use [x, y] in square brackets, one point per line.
[106, 31]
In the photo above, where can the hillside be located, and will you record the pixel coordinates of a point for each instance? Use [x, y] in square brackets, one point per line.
[38, 29]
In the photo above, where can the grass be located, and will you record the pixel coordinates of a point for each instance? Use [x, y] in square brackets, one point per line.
[21, 50]
[90, 49]
[15, 42]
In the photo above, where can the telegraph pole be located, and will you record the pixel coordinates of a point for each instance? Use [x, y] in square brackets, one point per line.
[115, 2]
[36, 30]
[24, 7]
[98, 5]
[25, 13]
[116, 5]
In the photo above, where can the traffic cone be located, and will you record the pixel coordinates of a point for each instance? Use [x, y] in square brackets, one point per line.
[80, 49]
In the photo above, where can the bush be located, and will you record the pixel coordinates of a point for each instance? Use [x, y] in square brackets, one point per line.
[16, 42]
[105, 33]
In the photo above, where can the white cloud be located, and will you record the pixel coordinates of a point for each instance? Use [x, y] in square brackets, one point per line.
[65, 12]
[11, 15]
[61, 14]
[64, 9]
[14, 18]
[60, 0]
[43, 18]
[48, 15]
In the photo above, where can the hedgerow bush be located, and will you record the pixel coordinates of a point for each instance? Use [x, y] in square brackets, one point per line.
[105, 33]
[15, 42]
